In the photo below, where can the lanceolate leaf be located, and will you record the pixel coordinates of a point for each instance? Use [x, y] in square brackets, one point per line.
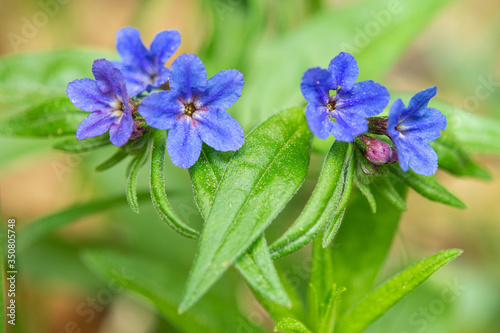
[361, 245]
[383, 298]
[113, 160]
[476, 133]
[330, 309]
[206, 175]
[52, 118]
[277, 311]
[157, 188]
[161, 283]
[258, 269]
[51, 223]
[256, 264]
[334, 184]
[291, 325]
[346, 184]
[427, 187]
[333, 227]
[386, 188]
[455, 160]
[320, 281]
[73, 145]
[367, 193]
[258, 182]
[134, 168]
[30, 78]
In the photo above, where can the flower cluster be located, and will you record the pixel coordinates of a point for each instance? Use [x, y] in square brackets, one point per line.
[339, 106]
[139, 88]
[137, 93]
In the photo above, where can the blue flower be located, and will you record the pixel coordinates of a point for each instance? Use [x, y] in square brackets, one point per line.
[107, 99]
[411, 129]
[145, 69]
[344, 112]
[195, 110]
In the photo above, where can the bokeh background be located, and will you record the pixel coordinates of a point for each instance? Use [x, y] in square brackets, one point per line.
[456, 49]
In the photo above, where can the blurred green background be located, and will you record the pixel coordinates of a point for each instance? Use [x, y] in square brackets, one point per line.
[451, 44]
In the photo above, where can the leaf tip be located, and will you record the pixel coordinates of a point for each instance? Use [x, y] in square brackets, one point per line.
[455, 252]
[134, 205]
[458, 203]
[182, 308]
[188, 300]
[325, 242]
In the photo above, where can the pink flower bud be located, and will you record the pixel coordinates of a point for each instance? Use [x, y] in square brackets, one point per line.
[377, 152]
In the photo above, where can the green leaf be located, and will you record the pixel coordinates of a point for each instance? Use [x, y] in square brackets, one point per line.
[162, 284]
[157, 188]
[258, 182]
[55, 117]
[277, 311]
[333, 227]
[32, 78]
[367, 193]
[386, 188]
[291, 324]
[361, 245]
[48, 224]
[427, 187]
[329, 310]
[478, 134]
[113, 160]
[56, 259]
[475, 133]
[456, 160]
[206, 175]
[384, 297]
[256, 264]
[72, 145]
[330, 196]
[320, 281]
[258, 269]
[134, 168]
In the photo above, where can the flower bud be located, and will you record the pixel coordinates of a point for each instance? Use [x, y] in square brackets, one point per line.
[377, 152]
[138, 129]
